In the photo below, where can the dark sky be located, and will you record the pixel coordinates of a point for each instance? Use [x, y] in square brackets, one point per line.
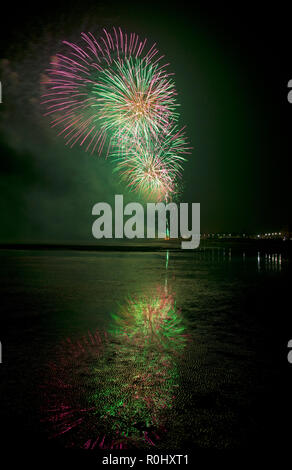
[232, 70]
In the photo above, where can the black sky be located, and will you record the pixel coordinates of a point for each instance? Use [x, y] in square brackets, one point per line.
[232, 68]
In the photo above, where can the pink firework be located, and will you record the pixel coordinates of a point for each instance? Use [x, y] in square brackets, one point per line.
[110, 85]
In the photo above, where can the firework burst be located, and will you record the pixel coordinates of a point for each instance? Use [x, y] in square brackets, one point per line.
[153, 167]
[107, 86]
[135, 98]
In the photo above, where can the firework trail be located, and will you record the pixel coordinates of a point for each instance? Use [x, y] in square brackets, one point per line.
[153, 166]
[108, 86]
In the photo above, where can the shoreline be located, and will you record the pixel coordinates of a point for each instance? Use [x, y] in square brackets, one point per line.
[156, 246]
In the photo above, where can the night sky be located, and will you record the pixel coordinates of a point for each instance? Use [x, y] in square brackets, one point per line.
[232, 70]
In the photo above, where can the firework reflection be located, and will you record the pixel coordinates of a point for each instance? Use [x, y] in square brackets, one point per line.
[115, 390]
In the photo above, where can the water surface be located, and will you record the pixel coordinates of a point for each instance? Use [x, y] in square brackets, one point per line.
[164, 349]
